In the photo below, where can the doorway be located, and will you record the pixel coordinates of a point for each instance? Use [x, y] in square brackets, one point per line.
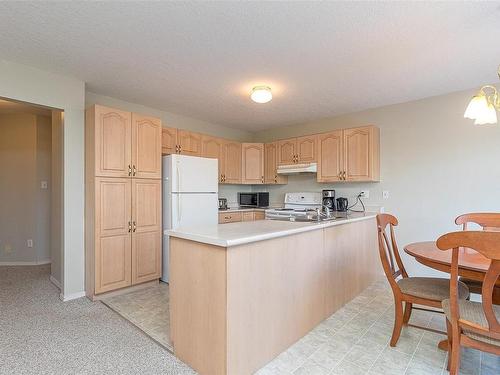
[31, 190]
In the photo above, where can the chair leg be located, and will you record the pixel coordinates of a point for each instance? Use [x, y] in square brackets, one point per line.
[455, 352]
[398, 321]
[448, 331]
[407, 314]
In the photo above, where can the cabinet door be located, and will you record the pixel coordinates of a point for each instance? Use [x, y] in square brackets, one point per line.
[112, 234]
[259, 215]
[146, 230]
[330, 157]
[271, 165]
[232, 162]
[168, 141]
[113, 142]
[252, 163]
[212, 147]
[307, 149]
[247, 216]
[189, 142]
[358, 154]
[232, 217]
[146, 146]
[286, 151]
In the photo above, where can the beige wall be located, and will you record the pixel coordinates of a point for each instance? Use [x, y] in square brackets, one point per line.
[25, 152]
[27, 84]
[57, 204]
[170, 119]
[434, 163]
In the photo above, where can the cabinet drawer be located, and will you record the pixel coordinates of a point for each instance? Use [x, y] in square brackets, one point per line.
[229, 217]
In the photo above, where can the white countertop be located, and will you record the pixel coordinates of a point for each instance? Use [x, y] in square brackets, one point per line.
[233, 234]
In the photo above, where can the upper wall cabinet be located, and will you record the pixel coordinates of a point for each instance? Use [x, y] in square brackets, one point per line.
[297, 150]
[349, 155]
[212, 147]
[231, 162]
[146, 146]
[252, 163]
[271, 165]
[124, 144]
[189, 143]
[169, 141]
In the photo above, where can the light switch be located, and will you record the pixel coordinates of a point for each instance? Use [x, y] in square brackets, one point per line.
[44, 185]
[30, 243]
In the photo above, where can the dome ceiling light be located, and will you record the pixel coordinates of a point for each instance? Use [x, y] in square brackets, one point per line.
[261, 94]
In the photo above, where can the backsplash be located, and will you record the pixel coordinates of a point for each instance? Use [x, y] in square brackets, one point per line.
[306, 183]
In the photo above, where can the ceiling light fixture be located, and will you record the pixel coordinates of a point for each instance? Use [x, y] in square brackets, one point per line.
[484, 105]
[261, 94]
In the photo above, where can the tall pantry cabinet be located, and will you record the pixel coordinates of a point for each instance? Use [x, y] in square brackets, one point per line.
[123, 199]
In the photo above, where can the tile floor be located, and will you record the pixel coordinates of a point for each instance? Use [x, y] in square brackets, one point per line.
[353, 341]
[147, 309]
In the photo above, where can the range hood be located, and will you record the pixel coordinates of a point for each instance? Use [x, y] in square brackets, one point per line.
[297, 168]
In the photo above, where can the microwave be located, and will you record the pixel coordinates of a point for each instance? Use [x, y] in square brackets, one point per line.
[253, 199]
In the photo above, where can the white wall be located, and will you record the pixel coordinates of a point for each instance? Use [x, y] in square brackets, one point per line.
[23, 83]
[434, 163]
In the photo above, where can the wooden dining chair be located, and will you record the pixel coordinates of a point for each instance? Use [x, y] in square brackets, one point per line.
[472, 324]
[426, 291]
[487, 221]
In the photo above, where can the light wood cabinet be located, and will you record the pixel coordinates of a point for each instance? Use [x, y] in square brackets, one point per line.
[111, 136]
[112, 234]
[271, 164]
[146, 146]
[230, 217]
[252, 163]
[169, 141]
[231, 162]
[247, 216]
[259, 215]
[123, 199]
[212, 147]
[330, 157]
[189, 143]
[297, 150]
[349, 155]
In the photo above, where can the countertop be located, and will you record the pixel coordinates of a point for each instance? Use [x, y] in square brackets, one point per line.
[233, 234]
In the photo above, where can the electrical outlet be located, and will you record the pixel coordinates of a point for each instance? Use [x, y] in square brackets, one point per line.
[385, 194]
[30, 243]
[365, 194]
[44, 185]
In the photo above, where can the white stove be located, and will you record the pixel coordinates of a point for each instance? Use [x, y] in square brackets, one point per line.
[296, 206]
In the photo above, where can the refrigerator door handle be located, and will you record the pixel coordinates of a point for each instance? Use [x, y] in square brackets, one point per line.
[178, 198]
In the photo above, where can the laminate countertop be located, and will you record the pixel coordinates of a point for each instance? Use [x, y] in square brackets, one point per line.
[233, 234]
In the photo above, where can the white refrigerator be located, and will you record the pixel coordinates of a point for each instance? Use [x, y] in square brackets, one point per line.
[190, 196]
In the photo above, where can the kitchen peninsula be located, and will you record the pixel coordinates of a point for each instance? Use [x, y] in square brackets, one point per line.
[241, 293]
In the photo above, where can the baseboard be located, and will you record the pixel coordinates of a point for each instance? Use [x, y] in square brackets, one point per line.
[69, 297]
[35, 263]
[54, 281]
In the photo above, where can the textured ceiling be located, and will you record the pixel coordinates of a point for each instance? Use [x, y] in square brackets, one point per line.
[201, 59]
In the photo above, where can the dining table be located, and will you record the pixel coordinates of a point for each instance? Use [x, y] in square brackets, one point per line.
[472, 266]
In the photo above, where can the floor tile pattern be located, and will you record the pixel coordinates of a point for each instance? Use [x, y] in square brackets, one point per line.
[148, 309]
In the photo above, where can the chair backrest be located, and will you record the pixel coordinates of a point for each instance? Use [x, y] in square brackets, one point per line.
[388, 249]
[486, 220]
[486, 243]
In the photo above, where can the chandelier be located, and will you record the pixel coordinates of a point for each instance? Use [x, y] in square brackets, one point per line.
[484, 105]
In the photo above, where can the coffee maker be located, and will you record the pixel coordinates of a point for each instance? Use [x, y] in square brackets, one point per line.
[329, 199]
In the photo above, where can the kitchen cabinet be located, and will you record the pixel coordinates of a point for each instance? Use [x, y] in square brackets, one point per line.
[230, 217]
[231, 154]
[169, 141]
[212, 147]
[189, 143]
[297, 150]
[122, 199]
[146, 146]
[349, 155]
[252, 163]
[247, 216]
[271, 164]
[330, 157]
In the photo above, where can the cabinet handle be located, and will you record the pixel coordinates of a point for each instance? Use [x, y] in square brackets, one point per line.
[135, 227]
[129, 226]
[129, 170]
[262, 179]
[180, 149]
[134, 170]
[343, 175]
